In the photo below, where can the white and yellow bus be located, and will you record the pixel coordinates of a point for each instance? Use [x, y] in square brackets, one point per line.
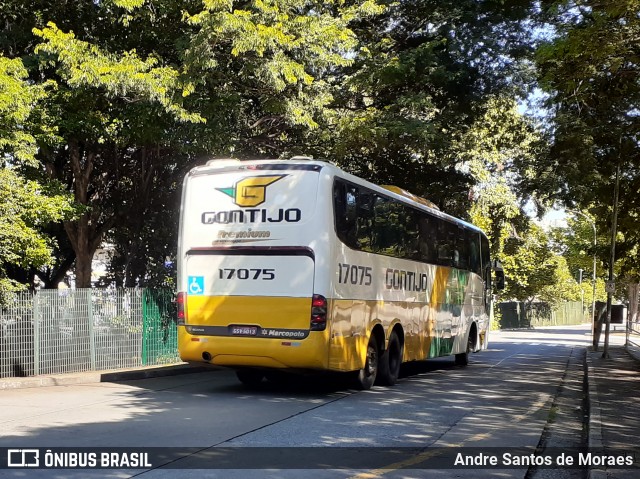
[298, 265]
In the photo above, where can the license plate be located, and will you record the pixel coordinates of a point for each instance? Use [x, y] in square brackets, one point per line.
[244, 330]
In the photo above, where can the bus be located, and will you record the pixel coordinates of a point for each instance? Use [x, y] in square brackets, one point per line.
[296, 266]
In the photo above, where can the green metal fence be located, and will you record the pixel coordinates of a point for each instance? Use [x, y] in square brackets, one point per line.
[522, 315]
[75, 330]
[514, 314]
[159, 335]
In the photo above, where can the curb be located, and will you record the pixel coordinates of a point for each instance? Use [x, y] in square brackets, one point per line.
[633, 349]
[91, 377]
[594, 441]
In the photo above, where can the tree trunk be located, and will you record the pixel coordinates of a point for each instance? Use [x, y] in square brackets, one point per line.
[86, 232]
[53, 277]
[84, 256]
[601, 310]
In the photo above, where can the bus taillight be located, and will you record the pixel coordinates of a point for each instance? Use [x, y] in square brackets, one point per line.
[318, 313]
[181, 301]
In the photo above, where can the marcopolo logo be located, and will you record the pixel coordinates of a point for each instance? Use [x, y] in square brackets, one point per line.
[252, 191]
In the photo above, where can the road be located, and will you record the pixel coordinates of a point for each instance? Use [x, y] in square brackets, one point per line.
[508, 396]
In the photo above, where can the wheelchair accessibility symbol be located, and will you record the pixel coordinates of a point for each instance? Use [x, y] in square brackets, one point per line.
[196, 285]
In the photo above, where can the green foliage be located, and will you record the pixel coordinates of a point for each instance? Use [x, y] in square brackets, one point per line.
[137, 90]
[530, 264]
[423, 73]
[487, 151]
[128, 5]
[277, 53]
[489, 148]
[589, 70]
[18, 98]
[563, 287]
[26, 209]
[27, 206]
[83, 65]
[576, 244]
[123, 96]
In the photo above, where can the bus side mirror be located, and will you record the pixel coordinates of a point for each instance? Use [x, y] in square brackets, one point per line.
[499, 272]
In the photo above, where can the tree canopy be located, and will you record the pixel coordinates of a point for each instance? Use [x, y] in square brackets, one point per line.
[104, 106]
[27, 206]
[588, 67]
[138, 89]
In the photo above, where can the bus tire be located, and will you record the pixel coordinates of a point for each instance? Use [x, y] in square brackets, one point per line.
[250, 377]
[390, 361]
[277, 377]
[365, 377]
[462, 359]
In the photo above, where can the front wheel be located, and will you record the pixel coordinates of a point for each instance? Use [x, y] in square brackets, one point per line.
[365, 378]
[390, 361]
[462, 359]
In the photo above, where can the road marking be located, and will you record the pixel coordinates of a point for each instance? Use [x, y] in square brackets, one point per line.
[543, 399]
[417, 459]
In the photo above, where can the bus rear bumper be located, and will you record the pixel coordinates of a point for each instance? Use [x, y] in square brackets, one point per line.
[308, 353]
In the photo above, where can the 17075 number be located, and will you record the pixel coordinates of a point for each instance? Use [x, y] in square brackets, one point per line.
[266, 274]
[354, 274]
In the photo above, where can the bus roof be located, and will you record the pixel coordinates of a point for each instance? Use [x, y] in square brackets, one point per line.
[214, 166]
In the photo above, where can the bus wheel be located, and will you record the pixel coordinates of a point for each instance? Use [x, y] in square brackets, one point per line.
[277, 377]
[250, 377]
[390, 362]
[462, 359]
[365, 378]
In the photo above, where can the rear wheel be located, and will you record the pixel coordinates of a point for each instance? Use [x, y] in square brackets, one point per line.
[277, 377]
[390, 361]
[250, 377]
[365, 378]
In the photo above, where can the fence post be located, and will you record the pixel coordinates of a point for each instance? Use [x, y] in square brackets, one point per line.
[36, 333]
[92, 338]
[145, 345]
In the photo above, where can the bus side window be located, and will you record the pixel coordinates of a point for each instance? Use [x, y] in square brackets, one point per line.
[344, 202]
[425, 239]
[382, 226]
[474, 252]
[486, 261]
[445, 241]
[412, 234]
[461, 254]
[339, 207]
[364, 219]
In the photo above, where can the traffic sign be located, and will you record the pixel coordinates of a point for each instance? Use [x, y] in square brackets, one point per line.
[610, 287]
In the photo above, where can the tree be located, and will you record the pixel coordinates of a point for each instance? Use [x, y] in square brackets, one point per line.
[497, 139]
[577, 246]
[27, 206]
[563, 287]
[531, 263]
[100, 100]
[141, 89]
[589, 69]
[425, 71]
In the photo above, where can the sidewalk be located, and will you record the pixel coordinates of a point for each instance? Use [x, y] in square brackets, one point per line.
[89, 377]
[614, 403]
